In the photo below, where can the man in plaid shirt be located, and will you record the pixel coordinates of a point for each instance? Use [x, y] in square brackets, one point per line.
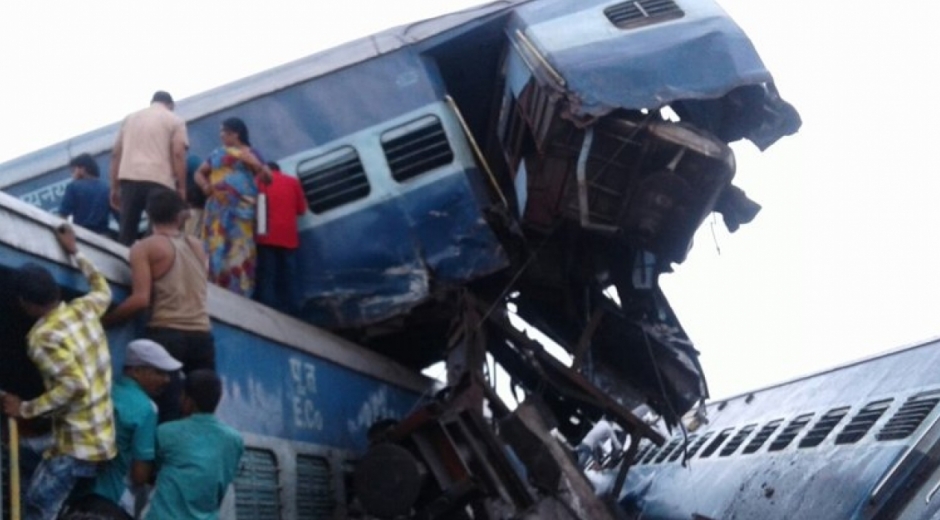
[69, 347]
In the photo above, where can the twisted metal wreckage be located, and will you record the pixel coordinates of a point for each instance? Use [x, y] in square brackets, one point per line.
[560, 153]
[606, 156]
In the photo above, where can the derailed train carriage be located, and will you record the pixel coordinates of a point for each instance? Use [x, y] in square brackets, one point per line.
[522, 157]
[857, 441]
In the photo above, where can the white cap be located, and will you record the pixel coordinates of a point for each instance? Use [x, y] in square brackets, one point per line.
[147, 353]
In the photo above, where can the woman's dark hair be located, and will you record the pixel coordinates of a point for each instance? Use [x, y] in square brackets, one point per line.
[205, 389]
[236, 125]
[35, 284]
[163, 206]
[87, 162]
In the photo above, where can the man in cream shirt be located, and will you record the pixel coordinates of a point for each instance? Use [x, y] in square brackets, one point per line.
[149, 154]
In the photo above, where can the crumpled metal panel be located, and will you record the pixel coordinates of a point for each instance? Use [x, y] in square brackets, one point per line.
[401, 244]
[703, 55]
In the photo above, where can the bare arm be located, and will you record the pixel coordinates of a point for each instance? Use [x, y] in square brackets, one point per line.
[116, 153]
[179, 163]
[141, 285]
[202, 178]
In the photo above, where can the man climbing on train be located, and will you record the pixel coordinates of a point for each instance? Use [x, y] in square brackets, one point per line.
[169, 278]
[68, 346]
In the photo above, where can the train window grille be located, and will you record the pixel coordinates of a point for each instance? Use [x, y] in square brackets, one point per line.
[637, 13]
[762, 435]
[648, 459]
[790, 431]
[719, 439]
[737, 440]
[417, 147]
[645, 448]
[333, 179]
[863, 421]
[697, 445]
[664, 453]
[823, 427]
[909, 417]
[315, 493]
[256, 486]
[682, 447]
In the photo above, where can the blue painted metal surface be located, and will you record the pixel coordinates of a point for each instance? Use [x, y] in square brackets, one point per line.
[277, 391]
[829, 480]
[701, 55]
[399, 244]
[270, 389]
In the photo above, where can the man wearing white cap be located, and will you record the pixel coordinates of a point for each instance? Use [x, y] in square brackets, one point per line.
[147, 368]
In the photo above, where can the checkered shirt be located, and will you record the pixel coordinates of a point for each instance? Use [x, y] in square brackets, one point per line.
[70, 348]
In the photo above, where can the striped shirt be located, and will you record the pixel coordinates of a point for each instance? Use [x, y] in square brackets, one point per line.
[69, 347]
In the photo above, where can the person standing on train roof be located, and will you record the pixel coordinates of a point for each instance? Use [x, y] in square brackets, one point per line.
[149, 154]
[276, 278]
[197, 457]
[169, 277]
[68, 345]
[86, 197]
[147, 368]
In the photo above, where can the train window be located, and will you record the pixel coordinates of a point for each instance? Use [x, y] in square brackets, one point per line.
[648, 458]
[720, 438]
[790, 432]
[906, 420]
[821, 429]
[737, 440]
[416, 147]
[681, 450]
[863, 421]
[765, 432]
[697, 445]
[644, 449]
[256, 486]
[673, 444]
[333, 179]
[637, 13]
[315, 495]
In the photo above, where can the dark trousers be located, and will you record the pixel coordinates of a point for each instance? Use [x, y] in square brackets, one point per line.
[195, 350]
[133, 203]
[276, 281]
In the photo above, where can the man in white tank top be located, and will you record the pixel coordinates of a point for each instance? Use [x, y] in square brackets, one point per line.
[168, 272]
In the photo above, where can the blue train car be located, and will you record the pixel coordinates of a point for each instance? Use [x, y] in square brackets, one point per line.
[302, 398]
[527, 158]
[858, 441]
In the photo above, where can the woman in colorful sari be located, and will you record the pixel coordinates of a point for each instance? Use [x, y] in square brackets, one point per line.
[228, 180]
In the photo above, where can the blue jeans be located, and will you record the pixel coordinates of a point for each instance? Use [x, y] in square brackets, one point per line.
[51, 484]
[276, 280]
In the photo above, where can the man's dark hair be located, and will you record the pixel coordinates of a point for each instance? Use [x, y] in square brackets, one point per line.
[86, 162]
[205, 389]
[35, 284]
[273, 166]
[162, 96]
[163, 206]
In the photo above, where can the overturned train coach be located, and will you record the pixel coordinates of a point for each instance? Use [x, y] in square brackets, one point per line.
[518, 159]
[859, 441]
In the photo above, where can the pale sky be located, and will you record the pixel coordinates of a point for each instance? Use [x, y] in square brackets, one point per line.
[841, 263]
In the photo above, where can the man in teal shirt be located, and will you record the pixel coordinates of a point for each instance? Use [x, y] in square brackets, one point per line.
[147, 367]
[197, 457]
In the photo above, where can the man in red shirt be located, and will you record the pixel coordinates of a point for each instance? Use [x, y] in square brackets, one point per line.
[276, 279]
